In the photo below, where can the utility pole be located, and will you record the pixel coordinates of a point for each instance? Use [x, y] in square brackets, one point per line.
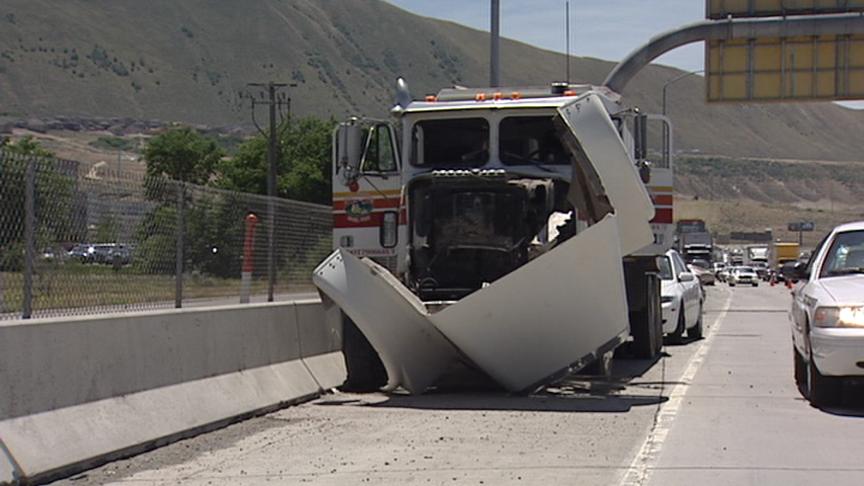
[567, 33]
[274, 101]
[494, 48]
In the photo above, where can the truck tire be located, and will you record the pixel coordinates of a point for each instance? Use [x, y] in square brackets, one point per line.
[646, 324]
[366, 373]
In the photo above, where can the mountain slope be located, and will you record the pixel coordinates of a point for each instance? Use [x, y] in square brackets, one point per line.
[188, 61]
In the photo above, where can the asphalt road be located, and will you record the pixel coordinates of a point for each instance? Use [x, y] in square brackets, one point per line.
[722, 410]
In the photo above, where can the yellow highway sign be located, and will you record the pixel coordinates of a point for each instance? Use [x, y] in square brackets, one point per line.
[721, 9]
[827, 67]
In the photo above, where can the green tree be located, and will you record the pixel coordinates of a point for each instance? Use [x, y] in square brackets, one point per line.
[303, 165]
[25, 146]
[182, 154]
[54, 189]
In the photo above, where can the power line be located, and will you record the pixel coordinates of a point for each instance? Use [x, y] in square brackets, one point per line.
[275, 100]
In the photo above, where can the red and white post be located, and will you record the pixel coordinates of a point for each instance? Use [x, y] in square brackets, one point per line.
[248, 258]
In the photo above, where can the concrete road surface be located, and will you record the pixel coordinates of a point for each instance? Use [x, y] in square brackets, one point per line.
[723, 410]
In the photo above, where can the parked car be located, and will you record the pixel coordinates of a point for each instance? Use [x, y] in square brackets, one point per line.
[102, 252]
[681, 297]
[82, 252]
[120, 255]
[705, 276]
[721, 271]
[828, 315]
[761, 269]
[786, 272]
[743, 276]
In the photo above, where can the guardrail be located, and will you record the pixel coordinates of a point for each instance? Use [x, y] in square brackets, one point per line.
[78, 392]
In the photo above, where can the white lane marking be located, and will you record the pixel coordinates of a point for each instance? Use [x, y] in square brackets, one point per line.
[640, 469]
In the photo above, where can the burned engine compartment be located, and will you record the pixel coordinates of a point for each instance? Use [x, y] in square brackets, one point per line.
[472, 228]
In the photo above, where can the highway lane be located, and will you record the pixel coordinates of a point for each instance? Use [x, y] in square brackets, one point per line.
[723, 409]
[743, 421]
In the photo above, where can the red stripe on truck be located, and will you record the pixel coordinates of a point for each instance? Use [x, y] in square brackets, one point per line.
[662, 216]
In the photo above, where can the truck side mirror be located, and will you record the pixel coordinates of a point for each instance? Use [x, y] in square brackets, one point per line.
[640, 137]
[348, 143]
[686, 277]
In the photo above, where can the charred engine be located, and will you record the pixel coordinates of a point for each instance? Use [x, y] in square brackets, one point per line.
[472, 228]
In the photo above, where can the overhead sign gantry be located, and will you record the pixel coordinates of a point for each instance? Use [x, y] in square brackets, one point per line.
[721, 9]
[784, 67]
[769, 50]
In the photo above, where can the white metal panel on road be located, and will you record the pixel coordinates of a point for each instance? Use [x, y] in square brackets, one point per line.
[542, 317]
[393, 319]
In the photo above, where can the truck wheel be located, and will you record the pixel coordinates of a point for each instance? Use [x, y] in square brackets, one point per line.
[601, 367]
[366, 373]
[821, 390]
[646, 324]
[695, 332]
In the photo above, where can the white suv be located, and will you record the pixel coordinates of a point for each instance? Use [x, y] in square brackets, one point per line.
[828, 315]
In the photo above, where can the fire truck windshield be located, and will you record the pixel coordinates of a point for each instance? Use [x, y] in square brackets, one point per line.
[461, 142]
[530, 140]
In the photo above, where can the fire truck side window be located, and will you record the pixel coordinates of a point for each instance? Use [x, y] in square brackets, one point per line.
[461, 142]
[379, 156]
[526, 140]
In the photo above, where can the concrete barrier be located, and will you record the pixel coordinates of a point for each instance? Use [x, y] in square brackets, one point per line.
[320, 329]
[78, 392]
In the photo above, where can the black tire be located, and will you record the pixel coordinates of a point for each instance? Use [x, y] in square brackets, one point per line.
[800, 372]
[676, 337]
[696, 331]
[755, 284]
[366, 373]
[646, 312]
[600, 367]
[821, 390]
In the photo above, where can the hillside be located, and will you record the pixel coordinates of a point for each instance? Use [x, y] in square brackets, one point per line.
[751, 194]
[188, 61]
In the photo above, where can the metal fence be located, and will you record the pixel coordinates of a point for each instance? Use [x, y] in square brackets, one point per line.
[76, 240]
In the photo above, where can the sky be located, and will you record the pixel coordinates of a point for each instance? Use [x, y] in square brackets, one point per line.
[606, 29]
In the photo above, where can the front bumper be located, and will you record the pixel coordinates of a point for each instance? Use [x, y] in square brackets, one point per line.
[837, 352]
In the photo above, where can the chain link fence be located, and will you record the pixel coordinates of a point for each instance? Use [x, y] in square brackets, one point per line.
[82, 241]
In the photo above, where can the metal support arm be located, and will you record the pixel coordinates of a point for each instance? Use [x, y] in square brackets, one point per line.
[841, 24]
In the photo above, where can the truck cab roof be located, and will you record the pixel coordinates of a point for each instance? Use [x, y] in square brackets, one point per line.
[552, 96]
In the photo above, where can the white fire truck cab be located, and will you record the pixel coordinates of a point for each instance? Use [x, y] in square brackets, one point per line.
[513, 230]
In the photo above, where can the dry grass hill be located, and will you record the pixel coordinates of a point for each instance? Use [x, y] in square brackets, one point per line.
[187, 61]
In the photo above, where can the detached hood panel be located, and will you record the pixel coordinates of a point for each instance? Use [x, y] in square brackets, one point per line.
[523, 330]
[596, 147]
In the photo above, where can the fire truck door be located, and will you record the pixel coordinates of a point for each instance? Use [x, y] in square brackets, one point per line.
[367, 204]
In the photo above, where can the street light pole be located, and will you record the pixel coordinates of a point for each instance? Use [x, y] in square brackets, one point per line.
[494, 48]
[665, 86]
[675, 80]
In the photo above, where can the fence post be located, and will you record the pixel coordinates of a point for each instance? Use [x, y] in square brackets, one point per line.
[271, 247]
[178, 272]
[29, 244]
[248, 258]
